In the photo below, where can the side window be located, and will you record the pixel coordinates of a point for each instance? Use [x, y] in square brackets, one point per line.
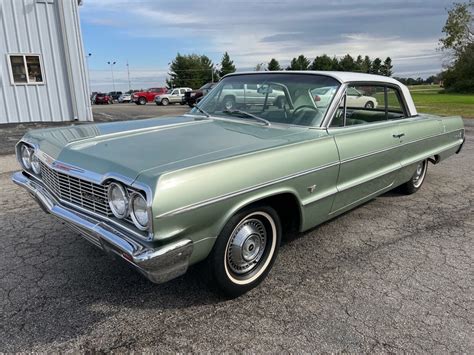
[394, 104]
[366, 104]
[26, 69]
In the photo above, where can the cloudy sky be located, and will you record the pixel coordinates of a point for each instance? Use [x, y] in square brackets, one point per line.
[149, 33]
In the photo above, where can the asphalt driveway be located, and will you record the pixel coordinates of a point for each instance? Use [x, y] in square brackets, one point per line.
[394, 275]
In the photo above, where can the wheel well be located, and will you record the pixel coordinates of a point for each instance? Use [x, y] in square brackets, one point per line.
[288, 209]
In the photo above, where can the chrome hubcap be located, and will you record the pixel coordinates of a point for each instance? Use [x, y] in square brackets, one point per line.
[246, 246]
[228, 104]
[419, 174]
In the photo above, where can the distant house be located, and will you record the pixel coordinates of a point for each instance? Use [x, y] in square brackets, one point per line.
[43, 74]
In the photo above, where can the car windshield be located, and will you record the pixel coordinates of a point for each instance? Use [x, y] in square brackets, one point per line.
[266, 98]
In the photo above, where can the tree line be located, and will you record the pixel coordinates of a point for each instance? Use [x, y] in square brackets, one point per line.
[346, 63]
[195, 70]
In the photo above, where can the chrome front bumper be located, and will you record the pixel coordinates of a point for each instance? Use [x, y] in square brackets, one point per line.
[158, 264]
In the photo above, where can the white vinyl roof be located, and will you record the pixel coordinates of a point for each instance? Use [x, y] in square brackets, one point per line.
[347, 77]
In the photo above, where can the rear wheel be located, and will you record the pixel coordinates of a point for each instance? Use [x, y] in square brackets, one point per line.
[414, 184]
[142, 101]
[369, 104]
[245, 250]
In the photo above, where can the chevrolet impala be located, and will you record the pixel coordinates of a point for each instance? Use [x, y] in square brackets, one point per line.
[222, 186]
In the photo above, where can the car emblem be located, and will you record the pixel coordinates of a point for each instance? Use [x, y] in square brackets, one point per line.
[91, 197]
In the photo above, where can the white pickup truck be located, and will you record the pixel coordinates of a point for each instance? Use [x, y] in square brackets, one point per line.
[250, 94]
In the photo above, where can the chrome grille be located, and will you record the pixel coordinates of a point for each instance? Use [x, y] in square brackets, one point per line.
[79, 192]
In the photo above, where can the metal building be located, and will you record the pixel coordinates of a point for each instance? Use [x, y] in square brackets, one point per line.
[43, 74]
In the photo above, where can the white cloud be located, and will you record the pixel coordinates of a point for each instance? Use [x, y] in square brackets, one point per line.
[256, 31]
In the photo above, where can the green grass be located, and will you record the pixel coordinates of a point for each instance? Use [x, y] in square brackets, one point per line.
[432, 99]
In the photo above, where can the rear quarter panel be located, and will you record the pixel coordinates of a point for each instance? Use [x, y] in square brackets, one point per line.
[428, 136]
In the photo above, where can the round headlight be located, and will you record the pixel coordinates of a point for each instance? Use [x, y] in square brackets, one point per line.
[35, 164]
[118, 200]
[25, 153]
[139, 211]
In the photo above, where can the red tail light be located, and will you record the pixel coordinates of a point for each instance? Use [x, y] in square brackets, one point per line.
[317, 98]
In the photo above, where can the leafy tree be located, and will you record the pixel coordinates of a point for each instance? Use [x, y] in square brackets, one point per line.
[190, 70]
[323, 62]
[227, 65]
[460, 77]
[273, 65]
[458, 40]
[376, 66]
[335, 63]
[358, 63]
[347, 63]
[387, 66]
[366, 65]
[459, 28]
[300, 63]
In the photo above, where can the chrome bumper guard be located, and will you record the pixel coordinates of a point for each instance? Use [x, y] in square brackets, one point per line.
[157, 264]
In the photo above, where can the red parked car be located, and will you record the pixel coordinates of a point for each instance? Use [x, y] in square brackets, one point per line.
[142, 97]
[102, 99]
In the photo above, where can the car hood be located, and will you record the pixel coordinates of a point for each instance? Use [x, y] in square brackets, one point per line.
[158, 145]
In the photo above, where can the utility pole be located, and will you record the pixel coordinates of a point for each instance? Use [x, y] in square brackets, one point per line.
[88, 71]
[128, 75]
[112, 71]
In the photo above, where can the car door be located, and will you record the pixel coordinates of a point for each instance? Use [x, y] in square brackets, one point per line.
[174, 97]
[368, 146]
[419, 136]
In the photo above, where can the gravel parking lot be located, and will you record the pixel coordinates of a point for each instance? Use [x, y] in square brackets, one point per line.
[394, 275]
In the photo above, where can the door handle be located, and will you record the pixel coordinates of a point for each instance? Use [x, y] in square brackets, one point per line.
[398, 135]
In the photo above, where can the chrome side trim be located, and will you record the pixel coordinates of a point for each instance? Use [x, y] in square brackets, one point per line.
[244, 191]
[158, 264]
[353, 203]
[365, 155]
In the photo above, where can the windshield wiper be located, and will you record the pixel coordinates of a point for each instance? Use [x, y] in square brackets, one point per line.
[248, 114]
[202, 111]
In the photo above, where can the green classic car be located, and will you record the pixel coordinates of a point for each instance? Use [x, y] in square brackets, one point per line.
[225, 182]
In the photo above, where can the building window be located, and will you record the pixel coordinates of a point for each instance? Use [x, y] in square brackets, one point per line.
[26, 69]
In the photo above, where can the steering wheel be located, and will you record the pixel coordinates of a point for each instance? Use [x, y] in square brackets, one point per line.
[305, 106]
[305, 121]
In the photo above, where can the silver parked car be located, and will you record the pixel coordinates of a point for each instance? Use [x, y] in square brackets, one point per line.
[173, 96]
[125, 98]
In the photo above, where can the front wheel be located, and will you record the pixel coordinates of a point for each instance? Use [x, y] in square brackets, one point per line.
[369, 104]
[142, 101]
[165, 102]
[245, 250]
[229, 103]
[414, 184]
